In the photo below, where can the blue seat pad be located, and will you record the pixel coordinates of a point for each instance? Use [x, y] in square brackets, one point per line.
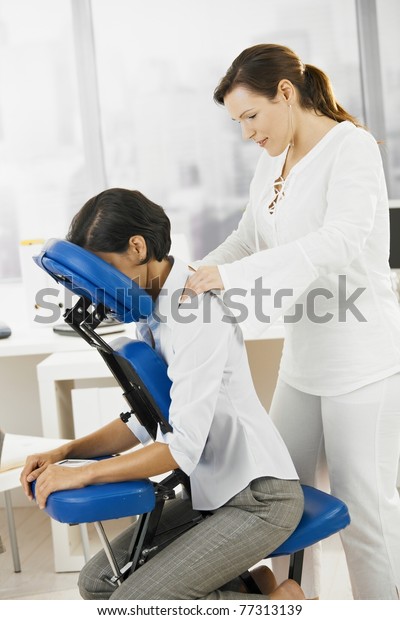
[101, 502]
[87, 275]
[323, 516]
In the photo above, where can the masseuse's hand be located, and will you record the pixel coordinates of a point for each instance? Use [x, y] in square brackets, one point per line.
[204, 279]
[59, 478]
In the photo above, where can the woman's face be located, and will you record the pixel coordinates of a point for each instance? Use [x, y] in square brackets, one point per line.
[262, 120]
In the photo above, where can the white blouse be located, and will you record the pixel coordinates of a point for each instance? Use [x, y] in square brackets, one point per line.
[222, 436]
[323, 256]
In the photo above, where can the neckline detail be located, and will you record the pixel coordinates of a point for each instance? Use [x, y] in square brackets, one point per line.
[278, 185]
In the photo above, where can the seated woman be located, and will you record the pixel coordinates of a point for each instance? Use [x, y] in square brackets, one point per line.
[245, 491]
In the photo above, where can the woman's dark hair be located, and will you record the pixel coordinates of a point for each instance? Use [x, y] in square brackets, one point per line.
[107, 221]
[260, 69]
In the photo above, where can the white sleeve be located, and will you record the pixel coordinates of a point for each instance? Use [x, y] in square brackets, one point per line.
[196, 371]
[352, 194]
[138, 430]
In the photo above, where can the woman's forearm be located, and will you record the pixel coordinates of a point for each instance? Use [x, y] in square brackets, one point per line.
[148, 461]
[113, 438]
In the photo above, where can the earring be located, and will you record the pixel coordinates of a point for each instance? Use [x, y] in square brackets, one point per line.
[291, 143]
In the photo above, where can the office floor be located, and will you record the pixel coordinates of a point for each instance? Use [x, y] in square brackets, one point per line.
[38, 580]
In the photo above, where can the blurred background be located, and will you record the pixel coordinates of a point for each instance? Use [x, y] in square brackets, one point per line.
[106, 93]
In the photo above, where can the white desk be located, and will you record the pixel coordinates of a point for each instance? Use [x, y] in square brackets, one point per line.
[19, 355]
[31, 340]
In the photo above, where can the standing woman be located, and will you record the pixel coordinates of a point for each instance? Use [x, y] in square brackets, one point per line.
[313, 244]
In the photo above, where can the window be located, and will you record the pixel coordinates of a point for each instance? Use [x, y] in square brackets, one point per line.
[388, 13]
[42, 169]
[158, 64]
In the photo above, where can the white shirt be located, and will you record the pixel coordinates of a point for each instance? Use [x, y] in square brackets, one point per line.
[222, 436]
[332, 221]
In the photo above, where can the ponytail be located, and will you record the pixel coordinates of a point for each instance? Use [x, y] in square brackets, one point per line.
[316, 92]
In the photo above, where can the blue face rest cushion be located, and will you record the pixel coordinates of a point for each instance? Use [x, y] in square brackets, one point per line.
[87, 275]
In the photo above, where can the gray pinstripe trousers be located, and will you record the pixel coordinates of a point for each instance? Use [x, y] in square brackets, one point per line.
[204, 561]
